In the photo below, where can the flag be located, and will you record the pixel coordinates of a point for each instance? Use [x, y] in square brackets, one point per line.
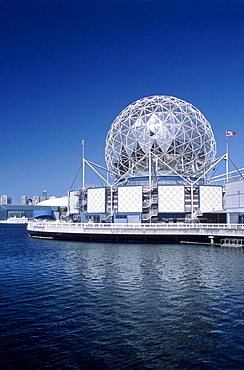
[152, 133]
[230, 133]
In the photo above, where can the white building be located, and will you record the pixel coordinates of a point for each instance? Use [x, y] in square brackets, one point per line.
[235, 201]
[36, 199]
[24, 200]
[159, 153]
[5, 199]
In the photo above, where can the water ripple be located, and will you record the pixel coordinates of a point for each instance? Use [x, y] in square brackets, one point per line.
[68, 305]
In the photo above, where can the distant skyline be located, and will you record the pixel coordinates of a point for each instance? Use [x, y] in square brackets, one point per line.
[69, 67]
[24, 199]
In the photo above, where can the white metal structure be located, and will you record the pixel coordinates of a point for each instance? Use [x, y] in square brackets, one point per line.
[159, 151]
[163, 134]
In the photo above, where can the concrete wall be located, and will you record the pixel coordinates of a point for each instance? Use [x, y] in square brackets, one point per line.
[235, 197]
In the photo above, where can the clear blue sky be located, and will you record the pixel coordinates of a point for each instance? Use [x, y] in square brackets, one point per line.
[69, 67]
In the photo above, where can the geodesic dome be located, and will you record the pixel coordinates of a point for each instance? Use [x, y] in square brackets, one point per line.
[165, 131]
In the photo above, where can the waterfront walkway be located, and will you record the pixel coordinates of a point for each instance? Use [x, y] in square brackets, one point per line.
[144, 232]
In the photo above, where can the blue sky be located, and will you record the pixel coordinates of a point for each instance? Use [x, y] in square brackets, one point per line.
[69, 67]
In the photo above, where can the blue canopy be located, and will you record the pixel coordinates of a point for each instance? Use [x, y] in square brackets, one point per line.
[43, 214]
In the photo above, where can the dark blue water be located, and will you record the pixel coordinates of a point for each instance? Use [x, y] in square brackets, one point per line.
[74, 305]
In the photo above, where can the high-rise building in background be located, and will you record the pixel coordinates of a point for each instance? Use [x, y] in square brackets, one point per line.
[5, 199]
[24, 200]
[44, 195]
[35, 199]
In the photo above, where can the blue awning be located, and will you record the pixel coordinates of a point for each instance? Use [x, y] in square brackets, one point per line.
[43, 214]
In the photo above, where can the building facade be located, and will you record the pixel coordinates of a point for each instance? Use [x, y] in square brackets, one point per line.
[36, 199]
[5, 199]
[24, 200]
[28, 211]
[159, 152]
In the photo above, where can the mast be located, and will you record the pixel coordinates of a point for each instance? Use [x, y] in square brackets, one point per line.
[83, 177]
[83, 164]
[227, 160]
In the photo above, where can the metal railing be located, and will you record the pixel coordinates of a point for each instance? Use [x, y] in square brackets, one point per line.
[70, 225]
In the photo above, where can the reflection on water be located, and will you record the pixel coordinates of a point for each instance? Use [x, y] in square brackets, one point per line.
[72, 305]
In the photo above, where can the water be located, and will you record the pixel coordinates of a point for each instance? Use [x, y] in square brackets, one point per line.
[74, 305]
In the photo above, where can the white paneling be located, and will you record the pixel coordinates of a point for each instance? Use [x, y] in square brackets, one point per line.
[211, 198]
[96, 200]
[129, 199]
[73, 202]
[171, 199]
[235, 196]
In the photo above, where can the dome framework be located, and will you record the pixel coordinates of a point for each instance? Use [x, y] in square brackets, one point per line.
[164, 133]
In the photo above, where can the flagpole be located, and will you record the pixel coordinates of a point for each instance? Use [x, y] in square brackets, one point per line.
[228, 133]
[83, 167]
[227, 160]
[227, 172]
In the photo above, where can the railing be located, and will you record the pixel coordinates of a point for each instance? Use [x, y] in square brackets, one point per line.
[70, 225]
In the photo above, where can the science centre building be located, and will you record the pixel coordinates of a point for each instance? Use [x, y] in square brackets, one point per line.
[159, 152]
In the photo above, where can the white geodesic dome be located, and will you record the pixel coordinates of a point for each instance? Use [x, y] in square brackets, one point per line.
[173, 133]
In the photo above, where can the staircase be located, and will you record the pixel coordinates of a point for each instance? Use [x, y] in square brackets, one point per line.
[191, 217]
[150, 204]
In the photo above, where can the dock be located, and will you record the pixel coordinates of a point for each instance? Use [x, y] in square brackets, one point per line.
[133, 232]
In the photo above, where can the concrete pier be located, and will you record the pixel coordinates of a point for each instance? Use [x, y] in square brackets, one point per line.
[123, 232]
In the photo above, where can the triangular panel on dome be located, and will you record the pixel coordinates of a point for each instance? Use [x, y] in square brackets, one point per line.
[124, 164]
[130, 142]
[137, 159]
[158, 109]
[156, 149]
[164, 139]
[154, 123]
[142, 138]
[117, 147]
[139, 122]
